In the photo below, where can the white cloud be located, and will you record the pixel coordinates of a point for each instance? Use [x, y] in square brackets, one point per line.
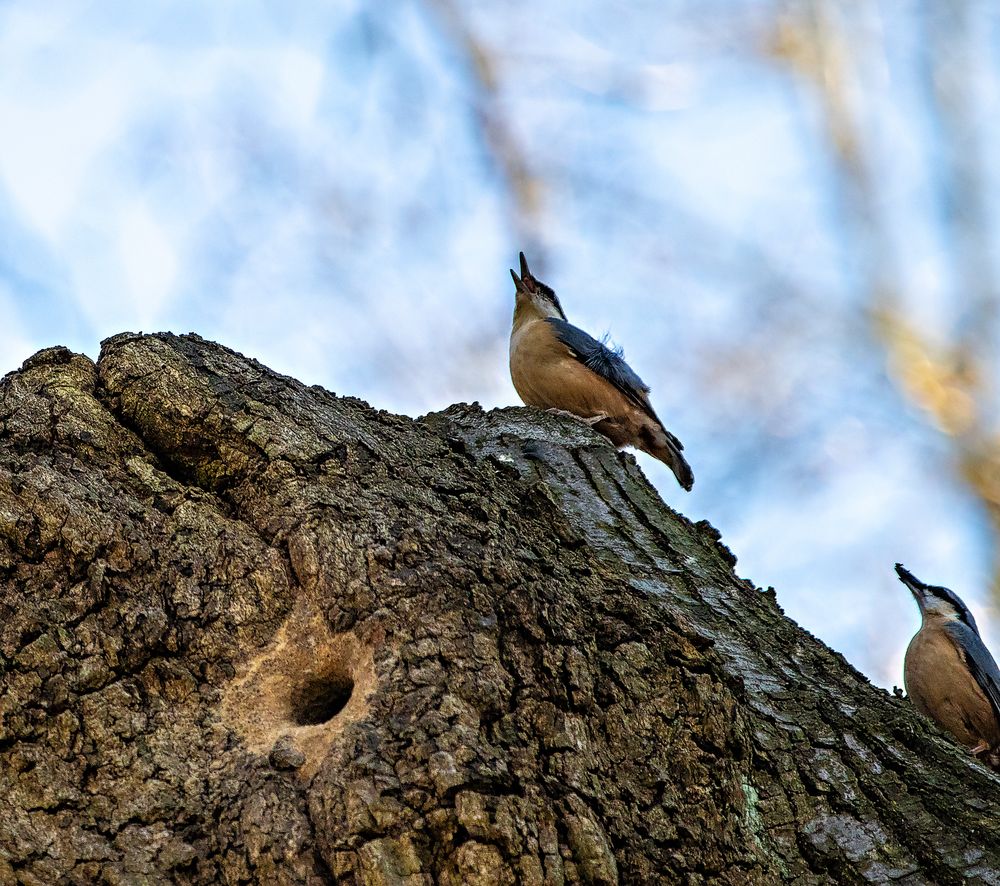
[51, 144]
[149, 258]
[15, 344]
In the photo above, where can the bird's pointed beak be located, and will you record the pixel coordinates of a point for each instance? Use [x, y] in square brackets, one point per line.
[518, 282]
[524, 265]
[915, 585]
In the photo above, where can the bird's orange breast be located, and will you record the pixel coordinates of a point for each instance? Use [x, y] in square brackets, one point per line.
[941, 686]
[546, 374]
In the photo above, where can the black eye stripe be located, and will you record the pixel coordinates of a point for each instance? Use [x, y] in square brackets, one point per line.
[549, 293]
[948, 596]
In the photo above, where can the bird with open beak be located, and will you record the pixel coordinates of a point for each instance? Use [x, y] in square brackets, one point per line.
[948, 672]
[556, 366]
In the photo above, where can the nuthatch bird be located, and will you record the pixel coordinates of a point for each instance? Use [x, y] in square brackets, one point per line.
[558, 367]
[948, 671]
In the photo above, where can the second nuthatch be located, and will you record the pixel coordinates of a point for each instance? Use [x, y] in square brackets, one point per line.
[556, 366]
[948, 671]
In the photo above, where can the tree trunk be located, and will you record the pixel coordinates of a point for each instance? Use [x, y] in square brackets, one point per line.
[251, 632]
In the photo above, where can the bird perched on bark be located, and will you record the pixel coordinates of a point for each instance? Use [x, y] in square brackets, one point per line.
[948, 671]
[558, 367]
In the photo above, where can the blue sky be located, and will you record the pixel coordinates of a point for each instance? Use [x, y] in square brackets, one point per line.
[329, 190]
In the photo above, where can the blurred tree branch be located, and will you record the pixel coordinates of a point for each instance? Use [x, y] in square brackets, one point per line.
[947, 373]
[509, 159]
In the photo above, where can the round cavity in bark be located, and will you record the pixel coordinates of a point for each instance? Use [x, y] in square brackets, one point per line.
[308, 684]
[320, 697]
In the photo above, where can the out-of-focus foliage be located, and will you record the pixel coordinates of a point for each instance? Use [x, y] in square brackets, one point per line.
[784, 211]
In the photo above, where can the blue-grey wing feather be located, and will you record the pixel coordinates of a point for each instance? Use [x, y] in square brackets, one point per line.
[607, 363]
[979, 661]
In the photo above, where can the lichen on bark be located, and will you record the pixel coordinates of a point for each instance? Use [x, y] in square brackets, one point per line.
[254, 632]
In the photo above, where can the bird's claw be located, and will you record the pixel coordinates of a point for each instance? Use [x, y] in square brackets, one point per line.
[591, 421]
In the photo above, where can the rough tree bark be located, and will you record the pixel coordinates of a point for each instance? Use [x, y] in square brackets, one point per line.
[251, 632]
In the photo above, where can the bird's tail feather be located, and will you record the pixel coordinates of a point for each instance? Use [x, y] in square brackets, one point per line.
[661, 444]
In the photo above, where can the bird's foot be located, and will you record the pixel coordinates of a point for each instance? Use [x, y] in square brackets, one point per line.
[592, 420]
[979, 748]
